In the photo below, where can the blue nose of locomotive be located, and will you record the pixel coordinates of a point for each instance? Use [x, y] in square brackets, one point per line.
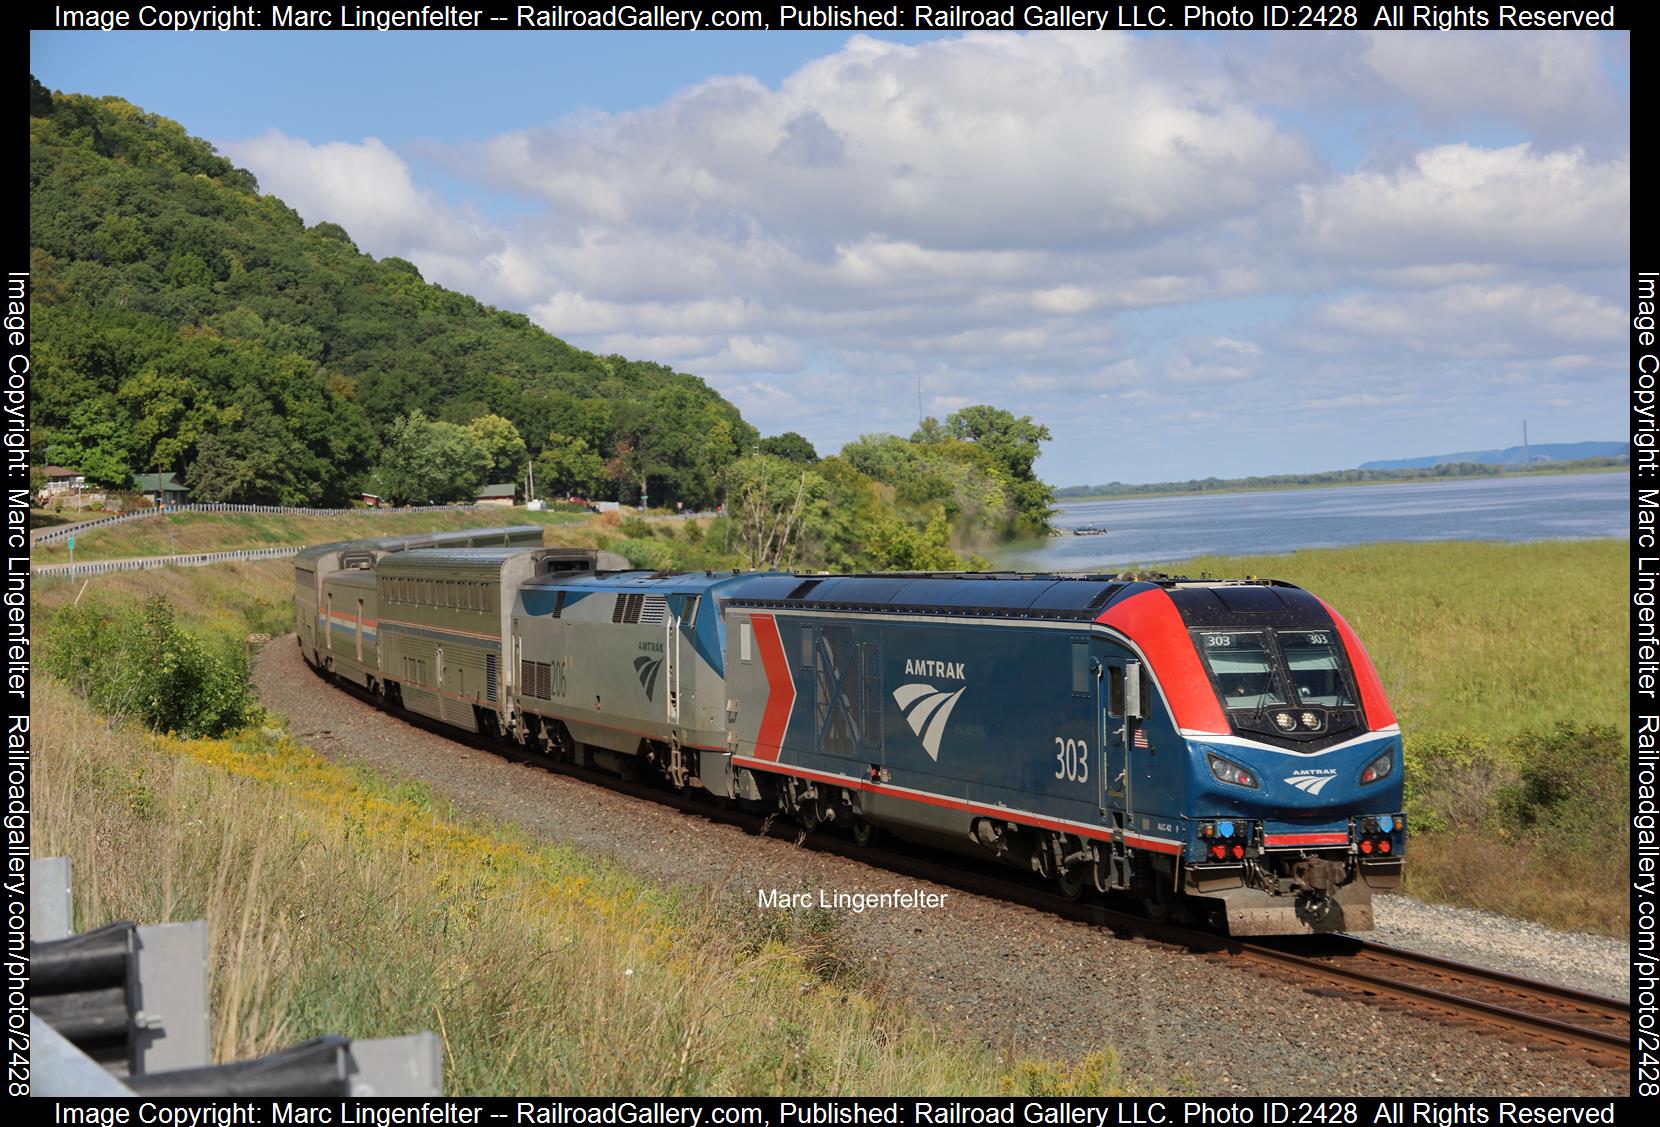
[1324, 790]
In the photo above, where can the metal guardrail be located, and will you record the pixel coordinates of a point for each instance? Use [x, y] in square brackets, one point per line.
[53, 535]
[145, 563]
[123, 1010]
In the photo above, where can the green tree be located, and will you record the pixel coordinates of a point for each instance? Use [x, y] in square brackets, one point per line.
[138, 662]
[770, 499]
[501, 441]
[568, 467]
[95, 442]
[790, 446]
[426, 462]
[1015, 443]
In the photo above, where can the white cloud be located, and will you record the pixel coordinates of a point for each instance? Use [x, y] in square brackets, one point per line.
[366, 188]
[1480, 320]
[979, 142]
[1546, 80]
[1462, 204]
[1089, 229]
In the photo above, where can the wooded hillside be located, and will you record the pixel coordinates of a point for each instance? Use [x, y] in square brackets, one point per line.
[184, 322]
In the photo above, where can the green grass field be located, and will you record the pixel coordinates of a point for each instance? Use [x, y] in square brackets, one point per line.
[1475, 636]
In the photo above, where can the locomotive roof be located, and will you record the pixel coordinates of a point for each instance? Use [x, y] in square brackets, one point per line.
[518, 535]
[993, 594]
[677, 582]
[451, 559]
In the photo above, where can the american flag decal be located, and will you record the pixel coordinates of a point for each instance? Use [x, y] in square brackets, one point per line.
[1140, 738]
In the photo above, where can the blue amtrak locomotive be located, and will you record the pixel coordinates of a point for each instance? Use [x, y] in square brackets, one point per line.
[1219, 746]
[1213, 748]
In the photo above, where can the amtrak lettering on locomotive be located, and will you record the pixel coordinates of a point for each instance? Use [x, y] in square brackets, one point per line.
[1218, 748]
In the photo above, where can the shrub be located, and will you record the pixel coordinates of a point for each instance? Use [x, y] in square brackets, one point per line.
[140, 663]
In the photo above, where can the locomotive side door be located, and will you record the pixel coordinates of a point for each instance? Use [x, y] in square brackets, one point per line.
[1120, 715]
[671, 665]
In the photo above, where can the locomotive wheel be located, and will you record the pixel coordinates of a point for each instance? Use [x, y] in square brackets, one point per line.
[863, 833]
[1070, 885]
[807, 815]
[1161, 902]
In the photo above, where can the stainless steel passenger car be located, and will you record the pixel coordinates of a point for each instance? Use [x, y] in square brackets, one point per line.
[443, 615]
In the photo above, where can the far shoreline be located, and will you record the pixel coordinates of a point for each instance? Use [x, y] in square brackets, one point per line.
[1061, 502]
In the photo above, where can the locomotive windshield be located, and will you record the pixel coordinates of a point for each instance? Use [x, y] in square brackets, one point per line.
[1241, 664]
[1257, 669]
[1316, 668]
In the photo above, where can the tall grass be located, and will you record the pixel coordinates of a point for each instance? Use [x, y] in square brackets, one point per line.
[1477, 637]
[340, 901]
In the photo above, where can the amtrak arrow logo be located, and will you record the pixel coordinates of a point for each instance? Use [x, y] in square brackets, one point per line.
[1310, 784]
[927, 707]
[646, 669]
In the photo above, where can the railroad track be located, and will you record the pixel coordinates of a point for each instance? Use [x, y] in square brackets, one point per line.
[1539, 1015]
[1546, 1015]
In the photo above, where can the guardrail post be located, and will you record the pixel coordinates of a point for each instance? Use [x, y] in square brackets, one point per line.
[139, 997]
[170, 998]
[398, 1066]
[51, 905]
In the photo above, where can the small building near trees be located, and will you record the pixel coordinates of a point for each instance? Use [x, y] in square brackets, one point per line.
[161, 489]
[500, 495]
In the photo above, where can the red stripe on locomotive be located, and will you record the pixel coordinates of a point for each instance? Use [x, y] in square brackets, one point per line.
[1152, 621]
[1276, 841]
[775, 719]
[1372, 698]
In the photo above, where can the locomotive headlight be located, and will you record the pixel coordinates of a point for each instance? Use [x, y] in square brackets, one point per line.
[1379, 768]
[1285, 721]
[1230, 772]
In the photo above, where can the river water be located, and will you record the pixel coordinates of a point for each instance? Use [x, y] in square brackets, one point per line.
[1158, 529]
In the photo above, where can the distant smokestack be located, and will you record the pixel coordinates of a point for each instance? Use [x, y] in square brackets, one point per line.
[1527, 459]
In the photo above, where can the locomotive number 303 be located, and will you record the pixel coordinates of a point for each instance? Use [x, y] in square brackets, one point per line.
[1071, 760]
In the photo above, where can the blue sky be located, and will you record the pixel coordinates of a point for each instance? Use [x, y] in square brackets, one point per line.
[1187, 254]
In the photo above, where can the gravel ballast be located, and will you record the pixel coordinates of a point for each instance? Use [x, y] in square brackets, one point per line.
[1023, 980]
[1597, 963]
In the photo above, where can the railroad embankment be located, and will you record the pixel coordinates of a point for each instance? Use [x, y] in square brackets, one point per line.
[345, 899]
